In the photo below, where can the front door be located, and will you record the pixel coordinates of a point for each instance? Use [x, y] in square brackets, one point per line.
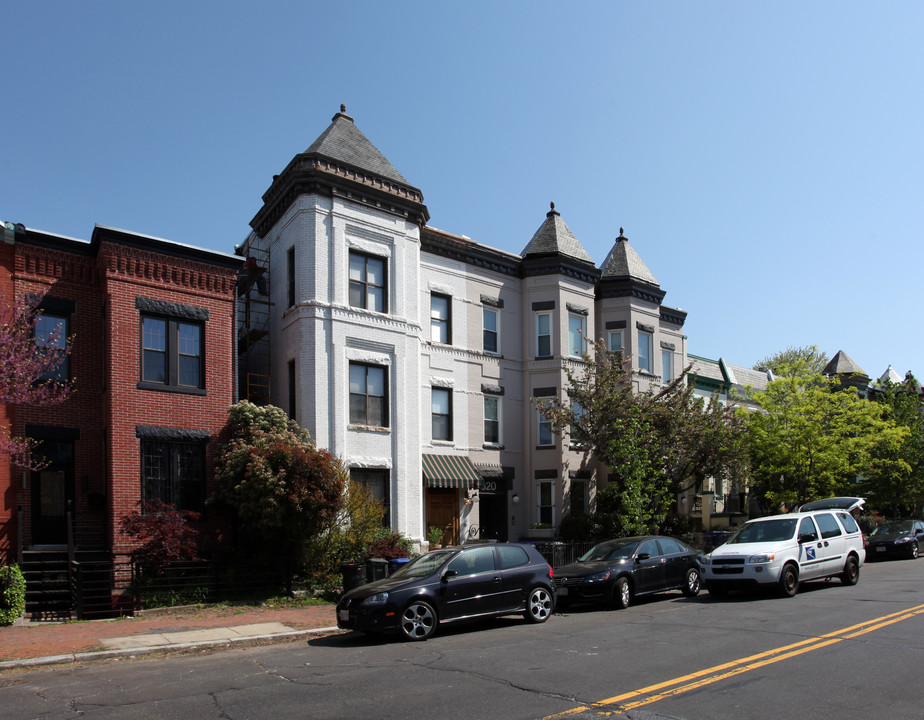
[443, 512]
[52, 490]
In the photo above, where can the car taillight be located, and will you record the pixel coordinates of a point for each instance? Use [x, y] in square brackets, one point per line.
[864, 539]
[551, 572]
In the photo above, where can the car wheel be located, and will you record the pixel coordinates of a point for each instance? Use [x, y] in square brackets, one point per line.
[538, 605]
[418, 621]
[851, 573]
[692, 584]
[622, 593]
[717, 591]
[915, 550]
[789, 580]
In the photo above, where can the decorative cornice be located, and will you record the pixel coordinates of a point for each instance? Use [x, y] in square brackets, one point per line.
[118, 262]
[460, 249]
[308, 173]
[675, 316]
[628, 287]
[557, 264]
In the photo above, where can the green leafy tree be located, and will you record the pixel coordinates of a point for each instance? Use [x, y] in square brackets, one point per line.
[654, 444]
[808, 360]
[283, 489]
[894, 482]
[811, 439]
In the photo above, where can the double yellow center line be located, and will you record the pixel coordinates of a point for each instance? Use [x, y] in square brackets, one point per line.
[686, 683]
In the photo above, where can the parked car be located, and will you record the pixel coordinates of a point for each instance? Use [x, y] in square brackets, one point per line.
[452, 584]
[901, 538]
[616, 571]
[784, 550]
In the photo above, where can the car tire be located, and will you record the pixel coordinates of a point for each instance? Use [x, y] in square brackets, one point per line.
[418, 621]
[692, 583]
[717, 591]
[622, 593]
[915, 550]
[539, 605]
[851, 573]
[789, 580]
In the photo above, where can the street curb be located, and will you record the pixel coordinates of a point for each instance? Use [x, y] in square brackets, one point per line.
[27, 663]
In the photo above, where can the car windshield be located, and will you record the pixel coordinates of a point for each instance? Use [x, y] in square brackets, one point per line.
[424, 565]
[610, 550]
[765, 531]
[895, 528]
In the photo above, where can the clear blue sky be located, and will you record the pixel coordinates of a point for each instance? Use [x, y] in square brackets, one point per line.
[766, 159]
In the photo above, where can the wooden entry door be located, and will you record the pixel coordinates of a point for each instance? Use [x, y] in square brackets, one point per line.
[443, 511]
[52, 492]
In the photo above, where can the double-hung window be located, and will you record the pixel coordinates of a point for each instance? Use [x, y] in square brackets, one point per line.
[441, 404]
[577, 332]
[546, 500]
[367, 282]
[492, 420]
[578, 497]
[615, 341]
[543, 334]
[440, 319]
[51, 333]
[645, 342]
[368, 395]
[544, 428]
[490, 331]
[377, 482]
[172, 346]
[667, 366]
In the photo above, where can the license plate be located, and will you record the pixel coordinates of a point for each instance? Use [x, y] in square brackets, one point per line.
[344, 615]
[880, 549]
[562, 592]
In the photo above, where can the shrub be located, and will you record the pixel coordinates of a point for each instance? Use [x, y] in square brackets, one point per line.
[164, 533]
[576, 528]
[12, 594]
[389, 545]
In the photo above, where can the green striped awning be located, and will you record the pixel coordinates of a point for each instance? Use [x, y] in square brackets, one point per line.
[450, 471]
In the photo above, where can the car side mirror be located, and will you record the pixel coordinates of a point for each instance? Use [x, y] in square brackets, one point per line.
[642, 556]
[807, 538]
[449, 574]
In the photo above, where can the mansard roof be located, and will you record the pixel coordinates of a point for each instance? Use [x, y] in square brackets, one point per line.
[345, 143]
[343, 163]
[624, 262]
[555, 237]
[842, 364]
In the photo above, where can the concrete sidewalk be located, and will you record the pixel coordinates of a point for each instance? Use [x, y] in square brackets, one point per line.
[34, 644]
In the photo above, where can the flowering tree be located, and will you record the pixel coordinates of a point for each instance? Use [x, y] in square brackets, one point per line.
[30, 359]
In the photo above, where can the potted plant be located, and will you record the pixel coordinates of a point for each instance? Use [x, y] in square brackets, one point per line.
[434, 537]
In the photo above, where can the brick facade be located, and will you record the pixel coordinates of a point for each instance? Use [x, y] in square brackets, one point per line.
[104, 287]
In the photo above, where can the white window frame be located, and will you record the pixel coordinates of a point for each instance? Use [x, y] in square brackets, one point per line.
[440, 325]
[539, 336]
[576, 335]
[667, 365]
[490, 311]
[497, 404]
[614, 334]
[647, 367]
[542, 421]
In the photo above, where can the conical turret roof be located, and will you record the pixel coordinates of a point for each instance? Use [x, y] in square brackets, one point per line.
[842, 364]
[343, 142]
[624, 262]
[555, 237]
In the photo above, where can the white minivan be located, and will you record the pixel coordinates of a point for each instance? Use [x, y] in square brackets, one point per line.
[820, 541]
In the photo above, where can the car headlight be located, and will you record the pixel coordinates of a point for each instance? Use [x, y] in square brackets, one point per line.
[760, 559]
[598, 577]
[377, 599]
[705, 560]
[902, 540]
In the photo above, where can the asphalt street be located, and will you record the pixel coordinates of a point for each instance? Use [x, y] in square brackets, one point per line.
[831, 651]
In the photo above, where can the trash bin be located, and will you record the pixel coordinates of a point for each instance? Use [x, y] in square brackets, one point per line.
[376, 569]
[397, 564]
[354, 575]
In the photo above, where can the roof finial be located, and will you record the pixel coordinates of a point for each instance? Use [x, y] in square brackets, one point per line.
[552, 211]
[621, 234]
[343, 108]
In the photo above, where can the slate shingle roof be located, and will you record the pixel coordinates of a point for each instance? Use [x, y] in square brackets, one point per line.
[554, 236]
[841, 364]
[623, 262]
[343, 142]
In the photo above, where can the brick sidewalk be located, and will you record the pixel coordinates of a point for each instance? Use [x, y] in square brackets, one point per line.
[34, 640]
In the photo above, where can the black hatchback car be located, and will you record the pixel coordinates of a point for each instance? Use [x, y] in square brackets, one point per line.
[454, 583]
[901, 538]
[616, 571]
